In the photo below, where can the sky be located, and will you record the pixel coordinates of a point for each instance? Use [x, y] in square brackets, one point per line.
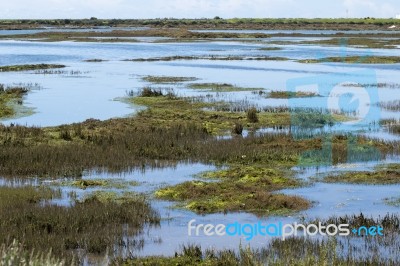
[46, 9]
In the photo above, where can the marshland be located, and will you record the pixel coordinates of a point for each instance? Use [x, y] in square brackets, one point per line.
[115, 134]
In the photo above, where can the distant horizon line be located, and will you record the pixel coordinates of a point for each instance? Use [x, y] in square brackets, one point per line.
[201, 18]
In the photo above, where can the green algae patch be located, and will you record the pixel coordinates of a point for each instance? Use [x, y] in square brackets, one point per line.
[253, 174]
[380, 176]
[355, 60]
[14, 68]
[239, 188]
[220, 87]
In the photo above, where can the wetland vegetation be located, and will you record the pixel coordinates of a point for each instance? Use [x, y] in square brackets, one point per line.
[386, 174]
[391, 105]
[210, 57]
[240, 188]
[219, 87]
[362, 42]
[29, 67]
[69, 214]
[9, 98]
[289, 94]
[167, 79]
[91, 225]
[355, 60]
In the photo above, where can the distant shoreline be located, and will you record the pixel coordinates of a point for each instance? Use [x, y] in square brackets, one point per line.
[216, 23]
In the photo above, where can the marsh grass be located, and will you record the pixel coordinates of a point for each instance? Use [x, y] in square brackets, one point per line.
[395, 129]
[336, 149]
[95, 224]
[252, 116]
[270, 48]
[150, 92]
[171, 129]
[379, 176]
[209, 57]
[219, 87]
[360, 42]
[374, 85]
[167, 79]
[9, 98]
[392, 201]
[390, 105]
[390, 167]
[392, 125]
[72, 73]
[355, 60]
[290, 94]
[118, 35]
[309, 118]
[95, 60]
[99, 183]
[237, 129]
[28, 67]
[15, 254]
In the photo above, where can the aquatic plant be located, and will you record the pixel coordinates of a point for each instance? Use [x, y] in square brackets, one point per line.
[93, 224]
[252, 116]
